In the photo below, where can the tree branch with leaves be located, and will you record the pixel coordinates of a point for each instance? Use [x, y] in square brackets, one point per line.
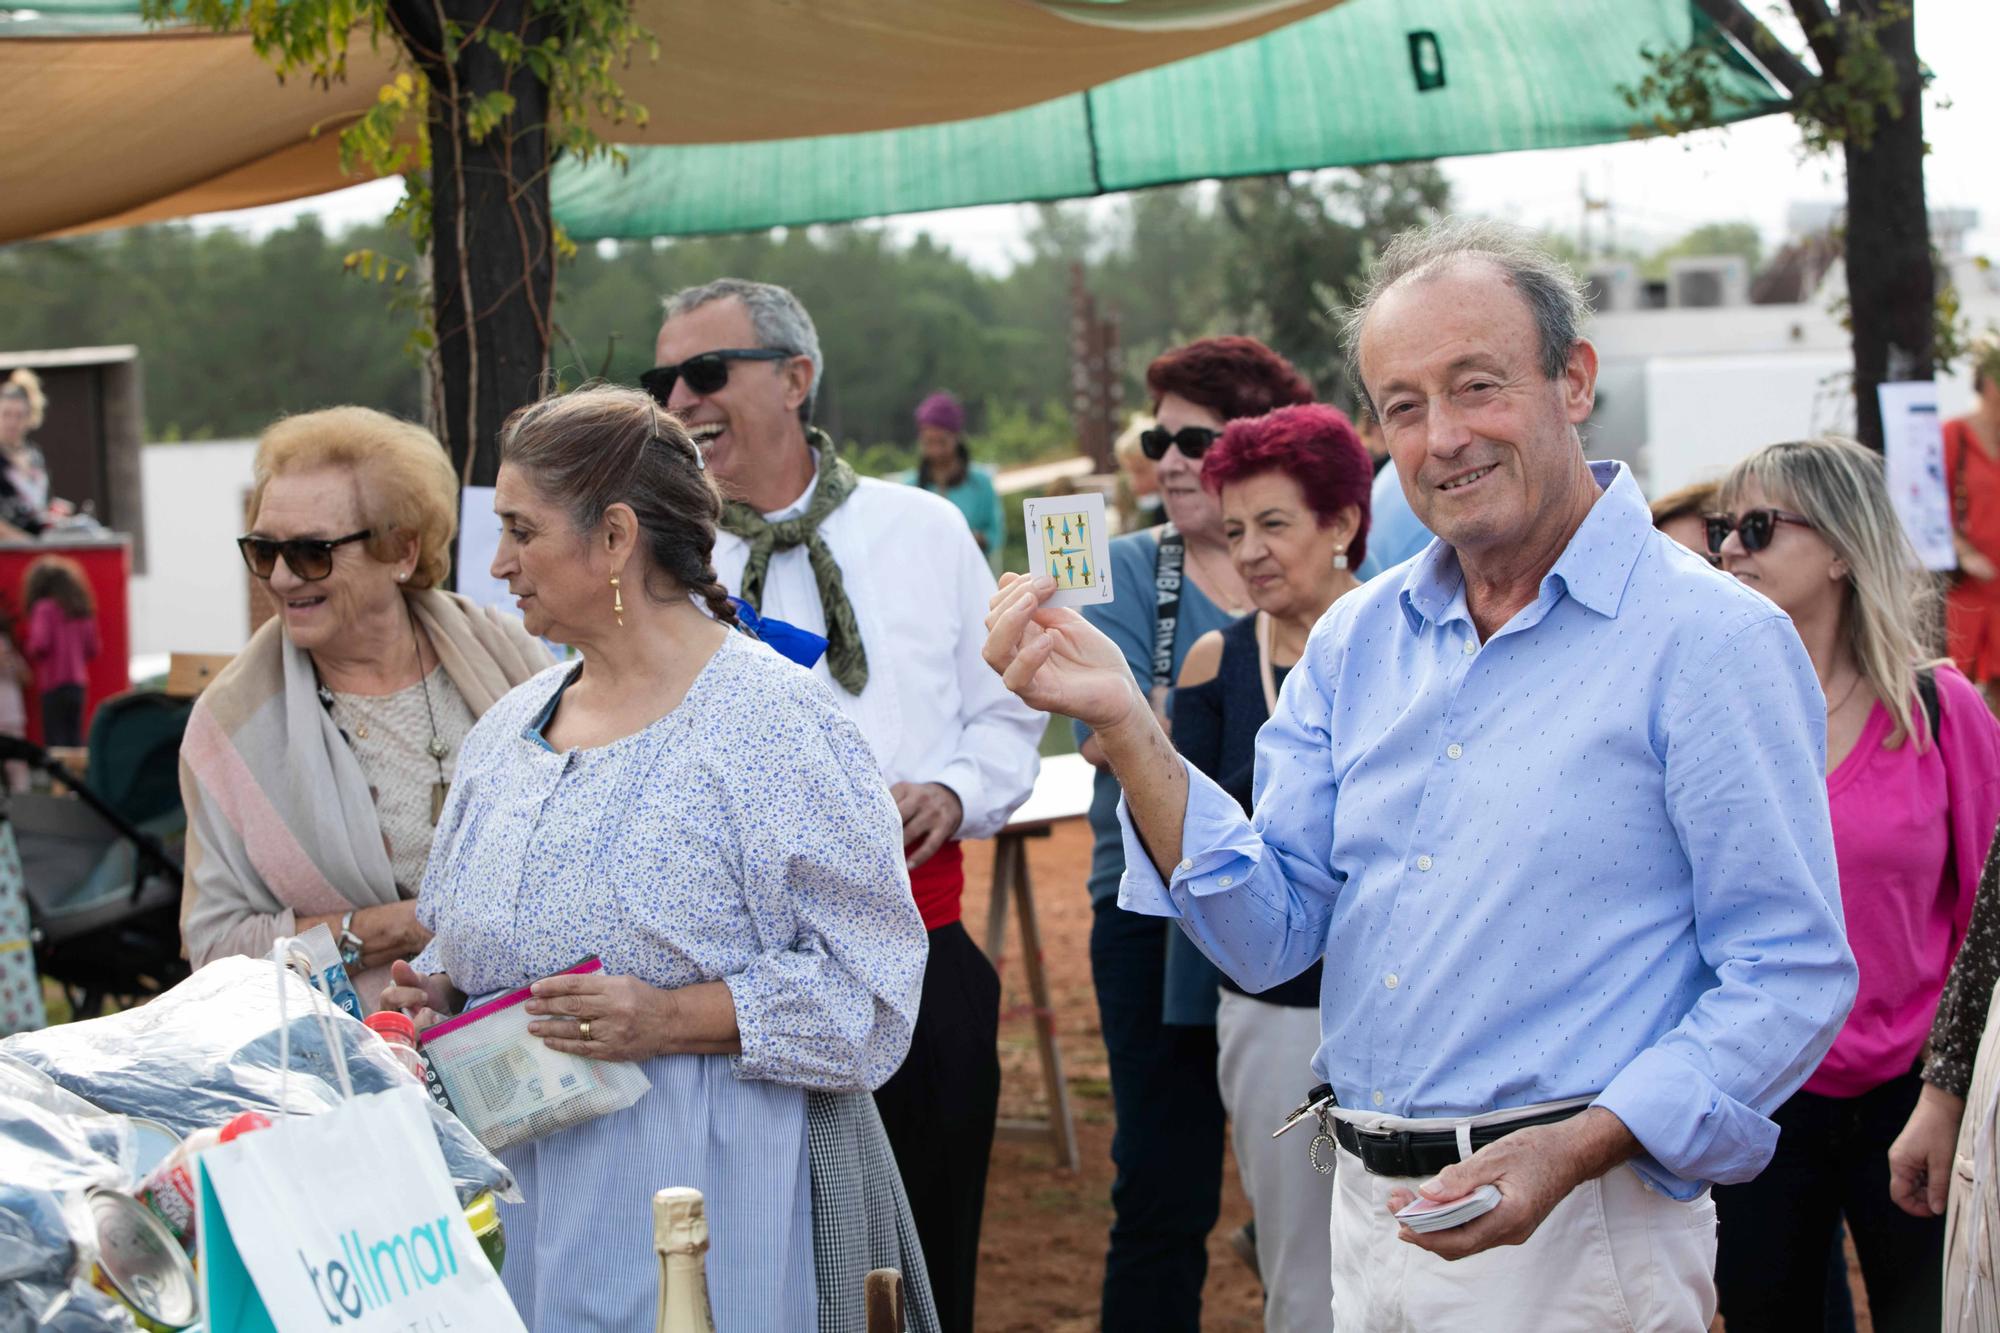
[1865, 101]
[484, 97]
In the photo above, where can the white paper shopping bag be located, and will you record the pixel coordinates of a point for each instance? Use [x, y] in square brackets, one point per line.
[347, 1221]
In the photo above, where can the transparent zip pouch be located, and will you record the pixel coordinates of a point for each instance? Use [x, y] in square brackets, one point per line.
[508, 1087]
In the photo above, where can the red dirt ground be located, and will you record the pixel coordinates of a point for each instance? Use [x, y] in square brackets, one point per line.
[1041, 1256]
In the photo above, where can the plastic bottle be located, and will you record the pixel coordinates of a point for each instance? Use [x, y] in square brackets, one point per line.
[680, 1236]
[400, 1034]
[169, 1190]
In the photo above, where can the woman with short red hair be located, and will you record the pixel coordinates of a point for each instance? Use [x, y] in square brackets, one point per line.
[1156, 994]
[1293, 488]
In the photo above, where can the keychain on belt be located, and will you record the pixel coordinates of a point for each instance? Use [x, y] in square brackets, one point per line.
[1319, 1105]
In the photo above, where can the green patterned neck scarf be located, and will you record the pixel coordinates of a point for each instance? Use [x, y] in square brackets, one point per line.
[845, 657]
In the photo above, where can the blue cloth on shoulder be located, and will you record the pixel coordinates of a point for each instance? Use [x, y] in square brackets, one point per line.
[792, 643]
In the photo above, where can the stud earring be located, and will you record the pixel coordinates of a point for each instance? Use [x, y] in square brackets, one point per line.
[617, 600]
[403, 578]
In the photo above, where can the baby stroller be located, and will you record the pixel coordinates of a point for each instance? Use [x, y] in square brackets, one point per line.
[100, 866]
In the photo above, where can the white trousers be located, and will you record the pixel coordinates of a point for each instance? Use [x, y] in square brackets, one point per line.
[1265, 1067]
[1614, 1255]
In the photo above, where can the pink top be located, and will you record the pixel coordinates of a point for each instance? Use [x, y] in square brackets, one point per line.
[1910, 833]
[59, 648]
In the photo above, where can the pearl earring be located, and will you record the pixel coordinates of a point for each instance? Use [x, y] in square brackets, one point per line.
[402, 578]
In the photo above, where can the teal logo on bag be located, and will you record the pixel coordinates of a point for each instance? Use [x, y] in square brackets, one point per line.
[369, 1277]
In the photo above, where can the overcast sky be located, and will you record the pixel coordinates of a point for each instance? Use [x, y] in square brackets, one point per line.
[1656, 189]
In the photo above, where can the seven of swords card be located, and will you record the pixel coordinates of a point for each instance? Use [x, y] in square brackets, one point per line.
[1068, 542]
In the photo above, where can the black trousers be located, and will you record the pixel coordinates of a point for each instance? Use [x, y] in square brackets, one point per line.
[1774, 1232]
[939, 1110]
[1167, 1147]
[62, 715]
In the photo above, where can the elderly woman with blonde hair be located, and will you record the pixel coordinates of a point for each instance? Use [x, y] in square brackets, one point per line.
[316, 764]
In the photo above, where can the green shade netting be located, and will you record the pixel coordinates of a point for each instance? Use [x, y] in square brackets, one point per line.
[1343, 88]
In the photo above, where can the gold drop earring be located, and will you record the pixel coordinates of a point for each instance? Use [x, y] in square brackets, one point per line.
[617, 601]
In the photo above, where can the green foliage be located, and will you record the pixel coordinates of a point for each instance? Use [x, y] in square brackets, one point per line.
[574, 48]
[1683, 89]
[1846, 104]
[1278, 258]
[235, 331]
[231, 331]
[1711, 238]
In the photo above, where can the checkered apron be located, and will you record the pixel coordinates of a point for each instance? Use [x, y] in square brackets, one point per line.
[860, 1217]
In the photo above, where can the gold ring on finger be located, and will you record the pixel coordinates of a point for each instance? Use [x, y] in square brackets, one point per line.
[583, 1029]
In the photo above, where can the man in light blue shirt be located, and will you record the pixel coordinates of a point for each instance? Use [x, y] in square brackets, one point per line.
[1550, 800]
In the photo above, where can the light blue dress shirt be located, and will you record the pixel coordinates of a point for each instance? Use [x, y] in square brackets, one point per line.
[1588, 857]
[1395, 533]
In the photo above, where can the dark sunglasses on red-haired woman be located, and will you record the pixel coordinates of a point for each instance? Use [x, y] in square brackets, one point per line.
[1193, 441]
[1753, 527]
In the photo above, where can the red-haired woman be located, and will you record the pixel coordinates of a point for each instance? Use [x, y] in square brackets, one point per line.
[1156, 995]
[1293, 487]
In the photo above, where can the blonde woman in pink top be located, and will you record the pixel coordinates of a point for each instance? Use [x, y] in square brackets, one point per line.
[1913, 788]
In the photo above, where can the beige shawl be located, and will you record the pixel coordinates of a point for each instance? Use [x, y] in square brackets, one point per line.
[280, 820]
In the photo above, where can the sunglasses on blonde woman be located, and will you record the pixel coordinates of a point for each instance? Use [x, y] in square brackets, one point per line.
[310, 558]
[1753, 527]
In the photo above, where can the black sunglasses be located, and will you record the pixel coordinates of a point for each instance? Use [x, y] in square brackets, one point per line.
[1193, 441]
[705, 373]
[309, 558]
[1754, 527]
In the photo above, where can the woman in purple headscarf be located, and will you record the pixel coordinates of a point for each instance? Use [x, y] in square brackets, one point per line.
[944, 467]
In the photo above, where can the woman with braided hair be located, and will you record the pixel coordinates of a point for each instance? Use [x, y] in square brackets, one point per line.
[695, 811]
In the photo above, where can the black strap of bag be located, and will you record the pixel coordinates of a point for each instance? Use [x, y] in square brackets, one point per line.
[1927, 695]
[1167, 563]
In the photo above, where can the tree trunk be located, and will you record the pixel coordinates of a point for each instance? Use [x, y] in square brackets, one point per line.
[1891, 284]
[492, 251]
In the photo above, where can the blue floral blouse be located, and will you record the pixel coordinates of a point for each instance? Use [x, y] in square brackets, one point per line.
[745, 837]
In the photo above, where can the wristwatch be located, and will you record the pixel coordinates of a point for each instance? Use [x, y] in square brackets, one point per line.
[350, 943]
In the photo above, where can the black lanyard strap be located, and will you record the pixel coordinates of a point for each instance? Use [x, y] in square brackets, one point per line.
[1167, 563]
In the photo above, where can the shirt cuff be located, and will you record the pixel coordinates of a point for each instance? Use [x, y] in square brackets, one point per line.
[1218, 851]
[1691, 1130]
[962, 777]
[760, 1054]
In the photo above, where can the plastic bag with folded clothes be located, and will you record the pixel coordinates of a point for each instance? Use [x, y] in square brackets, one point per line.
[208, 1049]
[54, 1147]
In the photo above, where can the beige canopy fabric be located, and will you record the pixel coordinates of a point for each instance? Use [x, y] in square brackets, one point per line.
[109, 130]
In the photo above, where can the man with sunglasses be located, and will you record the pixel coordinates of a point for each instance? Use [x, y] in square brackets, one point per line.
[892, 577]
[1568, 861]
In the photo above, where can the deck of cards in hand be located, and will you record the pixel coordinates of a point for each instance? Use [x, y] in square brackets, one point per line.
[1426, 1216]
[1068, 541]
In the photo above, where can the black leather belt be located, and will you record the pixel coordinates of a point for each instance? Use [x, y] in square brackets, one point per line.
[1406, 1152]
